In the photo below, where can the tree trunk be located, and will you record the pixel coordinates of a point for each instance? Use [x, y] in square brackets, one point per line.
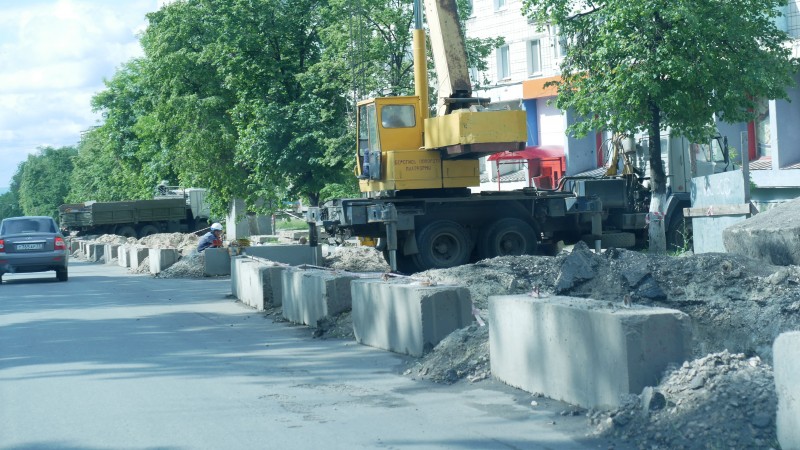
[658, 185]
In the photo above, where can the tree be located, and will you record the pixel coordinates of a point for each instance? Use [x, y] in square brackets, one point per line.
[9, 201]
[663, 64]
[44, 183]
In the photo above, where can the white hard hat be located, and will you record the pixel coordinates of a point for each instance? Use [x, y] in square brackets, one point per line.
[216, 226]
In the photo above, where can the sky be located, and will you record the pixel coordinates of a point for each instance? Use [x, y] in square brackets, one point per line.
[54, 56]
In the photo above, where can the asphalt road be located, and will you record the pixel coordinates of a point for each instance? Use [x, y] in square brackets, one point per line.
[110, 360]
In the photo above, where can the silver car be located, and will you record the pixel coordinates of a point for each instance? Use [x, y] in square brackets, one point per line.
[32, 244]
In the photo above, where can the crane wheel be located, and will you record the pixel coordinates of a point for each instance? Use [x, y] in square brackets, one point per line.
[442, 244]
[509, 236]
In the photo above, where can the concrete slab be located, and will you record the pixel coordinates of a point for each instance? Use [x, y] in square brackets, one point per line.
[217, 261]
[161, 258]
[95, 252]
[74, 245]
[786, 363]
[772, 236]
[123, 255]
[310, 295]
[110, 253]
[260, 284]
[235, 262]
[405, 317]
[294, 255]
[583, 351]
[136, 255]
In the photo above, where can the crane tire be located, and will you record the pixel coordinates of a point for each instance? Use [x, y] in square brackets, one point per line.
[442, 244]
[507, 237]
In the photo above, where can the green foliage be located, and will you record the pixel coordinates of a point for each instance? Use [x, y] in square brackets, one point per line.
[44, 180]
[663, 63]
[9, 201]
[290, 224]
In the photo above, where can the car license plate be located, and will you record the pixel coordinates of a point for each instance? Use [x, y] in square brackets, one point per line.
[38, 246]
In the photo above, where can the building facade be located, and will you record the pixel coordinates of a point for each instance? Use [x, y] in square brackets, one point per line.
[519, 70]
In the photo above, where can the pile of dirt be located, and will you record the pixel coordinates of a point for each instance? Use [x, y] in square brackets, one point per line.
[144, 266]
[356, 259]
[185, 243]
[113, 239]
[722, 400]
[462, 354]
[189, 266]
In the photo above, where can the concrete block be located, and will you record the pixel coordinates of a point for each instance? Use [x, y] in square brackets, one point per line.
[110, 253]
[772, 236]
[217, 261]
[236, 274]
[136, 255]
[123, 255]
[583, 351]
[786, 363]
[260, 284]
[74, 245]
[294, 255]
[95, 252]
[161, 258]
[405, 317]
[310, 295]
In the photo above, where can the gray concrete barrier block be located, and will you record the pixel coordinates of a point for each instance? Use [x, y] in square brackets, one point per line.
[260, 283]
[294, 255]
[217, 262]
[583, 351]
[110, 253]
[161, 258]
[74, 245]
[95, 252]
[137, 254]
[310, 295]
[772, 236]
[786, 363]
[124, 255]
[236, 261]
[405, 317]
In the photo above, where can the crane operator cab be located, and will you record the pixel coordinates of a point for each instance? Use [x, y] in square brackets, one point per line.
[392, 154]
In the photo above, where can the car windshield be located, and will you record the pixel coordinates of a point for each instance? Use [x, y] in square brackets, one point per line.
[28, 225]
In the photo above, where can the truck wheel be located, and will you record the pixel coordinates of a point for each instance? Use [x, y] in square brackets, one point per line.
[147, 230]
[508, 236]
[442, 244]
[125, 230]
[679, 234]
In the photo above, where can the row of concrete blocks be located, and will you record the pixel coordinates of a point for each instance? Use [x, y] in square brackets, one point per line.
[581, 351]
[127, 255]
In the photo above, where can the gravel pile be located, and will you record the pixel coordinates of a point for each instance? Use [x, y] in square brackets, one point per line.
[144, 266]
[185, 243]
[189, 266]
[462, 354]
[356, 259]
[722, 400]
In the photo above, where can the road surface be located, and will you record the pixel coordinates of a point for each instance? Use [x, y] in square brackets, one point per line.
[110, 360]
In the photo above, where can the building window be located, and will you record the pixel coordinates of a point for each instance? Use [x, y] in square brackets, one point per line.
[534, 57]
[499, 4]
[503, 63]
[560, 43]
[763, 135]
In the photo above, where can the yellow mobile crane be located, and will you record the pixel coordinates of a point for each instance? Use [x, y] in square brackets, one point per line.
[415, 170]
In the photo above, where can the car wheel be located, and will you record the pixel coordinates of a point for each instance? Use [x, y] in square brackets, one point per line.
[1, 277]
[62, 274]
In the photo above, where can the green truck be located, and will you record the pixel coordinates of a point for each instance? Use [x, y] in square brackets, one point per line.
[172, 210]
